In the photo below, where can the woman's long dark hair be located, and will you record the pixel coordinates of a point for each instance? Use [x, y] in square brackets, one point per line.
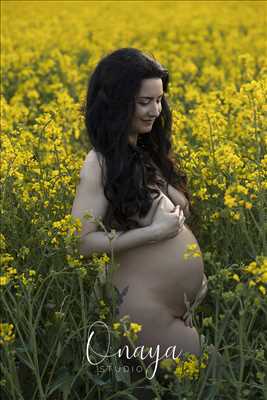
[109, 108]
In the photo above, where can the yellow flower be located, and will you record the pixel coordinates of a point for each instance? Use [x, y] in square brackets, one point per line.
[100, 261]
[116, 326]
[103, 310]
[73, 262]
[235, 215]
[191, 251]
[167, 364]
[251, 267]
[131, 330]
[4, 280]
[241, 189]
[264, 277]
[236, 277]
[215, 216]
[258, 270]
[6, 333]
[251, 283]
[135, 327]
[196, 254]
[192, 246]
[6, 258]
[202, 193]
[2, 242]
[207, 321]
[230, 201]
[186, 368]
[189, 368]
[11, 271]
[262, 290]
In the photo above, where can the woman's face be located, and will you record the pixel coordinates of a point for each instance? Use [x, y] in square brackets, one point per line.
[147, 106]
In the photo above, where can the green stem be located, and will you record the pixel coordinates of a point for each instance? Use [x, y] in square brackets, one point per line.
[17, 329]
[10, 373]
[241, 346]
[34, 349]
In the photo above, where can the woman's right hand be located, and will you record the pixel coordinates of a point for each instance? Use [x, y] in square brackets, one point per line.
[167, 224]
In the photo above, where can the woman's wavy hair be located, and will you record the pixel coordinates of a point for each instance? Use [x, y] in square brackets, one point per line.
[130, 171]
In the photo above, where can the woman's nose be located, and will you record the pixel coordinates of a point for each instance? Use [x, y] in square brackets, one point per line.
[155, 110]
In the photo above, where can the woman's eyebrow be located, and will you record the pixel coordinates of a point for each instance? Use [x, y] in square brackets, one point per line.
[147, 97]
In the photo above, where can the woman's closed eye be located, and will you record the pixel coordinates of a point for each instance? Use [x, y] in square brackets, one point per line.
[145, 104]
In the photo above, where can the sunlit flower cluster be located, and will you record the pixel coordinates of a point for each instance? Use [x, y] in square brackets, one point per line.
[75, 261]
[192, 250]
[187, 367]
[104, 309]
[9, 273]
[252, 275]
[7, 334]
[100, 260]
[127, 328]
[258, 274]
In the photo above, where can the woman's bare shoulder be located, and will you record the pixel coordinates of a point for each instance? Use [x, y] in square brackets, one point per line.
[93, 156]
[94, 161]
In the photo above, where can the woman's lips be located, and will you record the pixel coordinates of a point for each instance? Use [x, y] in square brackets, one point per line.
[148, 121]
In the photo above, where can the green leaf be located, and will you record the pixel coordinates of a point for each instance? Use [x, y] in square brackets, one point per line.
[62, 383]
[20, 352]
[122, 376]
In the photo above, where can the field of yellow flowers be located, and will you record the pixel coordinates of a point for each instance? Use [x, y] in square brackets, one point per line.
[216, 55]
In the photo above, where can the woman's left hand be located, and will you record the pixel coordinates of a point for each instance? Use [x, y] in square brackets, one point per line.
[178, 198]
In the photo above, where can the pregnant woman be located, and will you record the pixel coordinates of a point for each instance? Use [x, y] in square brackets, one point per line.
[130, 180]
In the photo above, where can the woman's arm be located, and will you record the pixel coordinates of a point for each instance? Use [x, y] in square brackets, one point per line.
[178, 198]
[90, 199]
[165, 225]
[99, 242]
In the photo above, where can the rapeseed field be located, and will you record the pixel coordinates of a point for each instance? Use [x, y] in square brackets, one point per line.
[215, 52]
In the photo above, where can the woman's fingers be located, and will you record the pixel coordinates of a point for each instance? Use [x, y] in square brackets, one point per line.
[181, 217]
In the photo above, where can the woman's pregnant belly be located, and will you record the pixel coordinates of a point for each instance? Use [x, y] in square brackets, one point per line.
[162, 272]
